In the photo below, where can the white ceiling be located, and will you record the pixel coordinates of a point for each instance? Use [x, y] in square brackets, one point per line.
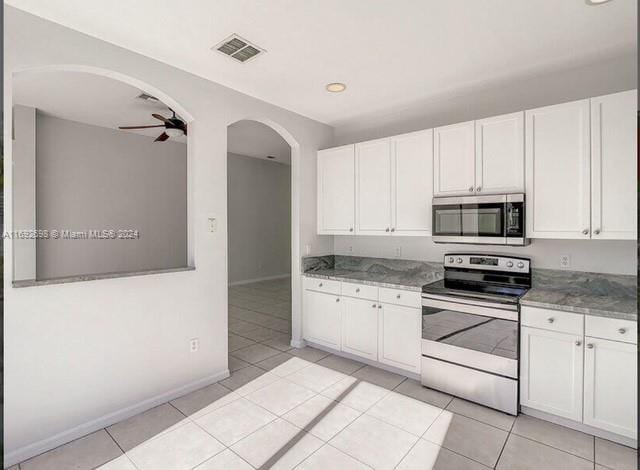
[88, 98]
[390, 54]
[102, 101]
[258, 140]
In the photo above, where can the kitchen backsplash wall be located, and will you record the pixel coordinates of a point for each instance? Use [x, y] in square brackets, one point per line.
[604, 256]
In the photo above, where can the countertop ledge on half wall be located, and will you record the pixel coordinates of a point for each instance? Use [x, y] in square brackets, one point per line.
[96, 277]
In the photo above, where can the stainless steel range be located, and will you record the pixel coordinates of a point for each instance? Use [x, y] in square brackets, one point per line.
[470, 328]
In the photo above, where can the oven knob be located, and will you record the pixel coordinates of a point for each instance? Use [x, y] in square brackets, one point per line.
[509, 264]
[459, 261]
[521, 265]
[451, 259]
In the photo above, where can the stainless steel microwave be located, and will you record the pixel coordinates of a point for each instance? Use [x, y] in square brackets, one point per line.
[497, 219]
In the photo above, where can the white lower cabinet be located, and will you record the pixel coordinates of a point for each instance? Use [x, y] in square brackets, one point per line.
[355, 322]
[360, 327]
[399, 336]
[610, 392]
[551, 372]
[321, 318]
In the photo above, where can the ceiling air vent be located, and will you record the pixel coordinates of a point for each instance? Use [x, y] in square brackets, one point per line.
[240, 49]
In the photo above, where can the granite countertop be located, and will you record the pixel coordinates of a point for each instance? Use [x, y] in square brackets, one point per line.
[603, 295]
[381, 272]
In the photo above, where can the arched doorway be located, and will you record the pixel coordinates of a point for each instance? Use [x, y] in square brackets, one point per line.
[262, 241]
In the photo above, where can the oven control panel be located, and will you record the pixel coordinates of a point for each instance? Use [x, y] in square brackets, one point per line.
[487, 262]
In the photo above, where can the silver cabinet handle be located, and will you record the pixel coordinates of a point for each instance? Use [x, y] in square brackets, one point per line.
[351, 229]
[479, 188]
[393, 229]
[379, 306]
[585, 231]
[622, 331]
[551, 320]
[596, 231]
[387, 229]
[338, 299]
[589, 346]
[374, 306]
[470, 189]
[398, 296]
[578, 343]
[357, 290]
[320, 285]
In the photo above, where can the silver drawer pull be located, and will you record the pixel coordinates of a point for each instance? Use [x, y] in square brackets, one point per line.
[379, 306]
[622, 331]
[320, 285]
[374, 305]
[578, 343]
[338, 299]
[589, 346]
[398, 296]
[551, 320]
[357, 290]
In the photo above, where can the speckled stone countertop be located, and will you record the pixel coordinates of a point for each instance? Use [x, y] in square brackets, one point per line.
[381, 272]
[603, 295]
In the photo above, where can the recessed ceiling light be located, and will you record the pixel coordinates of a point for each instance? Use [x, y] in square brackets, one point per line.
[336, 87]
[596, 2]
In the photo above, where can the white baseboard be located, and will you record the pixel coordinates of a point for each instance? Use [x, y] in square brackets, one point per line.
[298, 343]
[258, 279]
[568, 423]
[31, 450]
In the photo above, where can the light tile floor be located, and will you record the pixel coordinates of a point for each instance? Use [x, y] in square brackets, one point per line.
[306, 409]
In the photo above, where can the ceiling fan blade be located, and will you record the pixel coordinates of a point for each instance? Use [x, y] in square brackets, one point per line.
[162, 137]
[139, 127]
[161, 118]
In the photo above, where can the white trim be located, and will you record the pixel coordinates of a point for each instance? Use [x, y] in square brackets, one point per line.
[258, 279]
[31, 450]
[298, 343]
[568, 423]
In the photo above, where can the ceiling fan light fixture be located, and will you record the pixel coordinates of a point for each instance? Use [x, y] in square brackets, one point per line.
[173, 132]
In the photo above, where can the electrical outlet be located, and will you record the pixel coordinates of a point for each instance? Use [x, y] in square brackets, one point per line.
[194, 344]
[212, 224]
[398, 252]
[350, 249]
[565, 261]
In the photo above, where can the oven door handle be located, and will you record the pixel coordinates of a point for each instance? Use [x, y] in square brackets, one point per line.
[487, 309]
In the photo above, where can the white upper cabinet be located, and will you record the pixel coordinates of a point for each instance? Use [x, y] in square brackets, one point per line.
[613, 166]
[412, 183]
[336, 191]
[454, 159]
[500, 154]
[373, 187]
[558, 171]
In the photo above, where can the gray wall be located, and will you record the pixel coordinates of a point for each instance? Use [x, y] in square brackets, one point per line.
[91, 177]
[259, 214]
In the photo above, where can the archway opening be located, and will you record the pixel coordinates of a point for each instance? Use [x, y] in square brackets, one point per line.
[259, 169]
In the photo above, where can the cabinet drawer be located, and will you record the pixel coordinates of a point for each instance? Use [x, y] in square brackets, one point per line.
[359, 291]
[322, 285]
[400, 297]
[610, 328]
[552, 320]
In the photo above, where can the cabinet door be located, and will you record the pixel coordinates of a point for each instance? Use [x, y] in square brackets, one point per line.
[500, 154]
[399, 337]
[336, 191]
[412, 183]
[557, 166]
[610, 386]
[551, 372]
[321, 318]
[373, 187]
[360, 327]
[454, 159]
[613, 166]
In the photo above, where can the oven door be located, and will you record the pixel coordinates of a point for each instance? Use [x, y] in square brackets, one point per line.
[470, 219]
[482, 337]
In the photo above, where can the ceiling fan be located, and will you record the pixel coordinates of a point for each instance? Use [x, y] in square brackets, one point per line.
[173, 126]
